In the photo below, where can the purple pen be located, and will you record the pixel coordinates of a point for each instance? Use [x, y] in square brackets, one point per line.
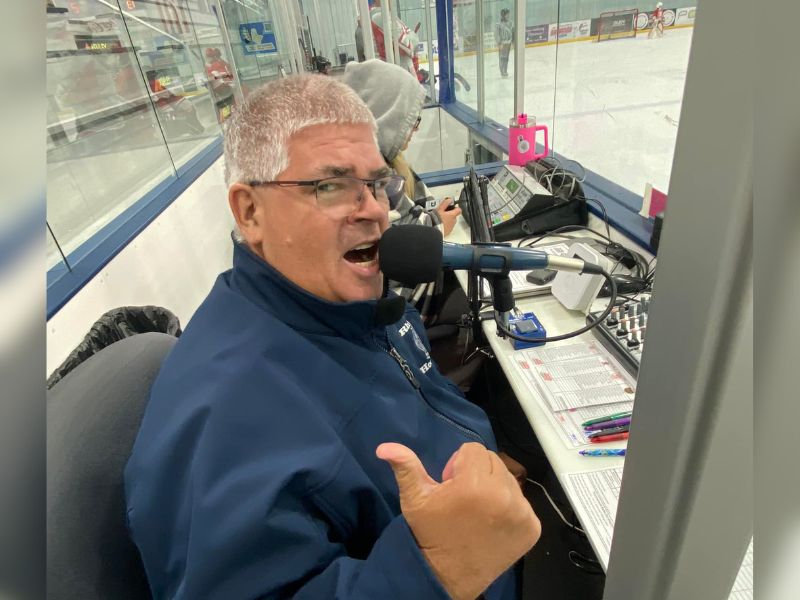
[608, 424]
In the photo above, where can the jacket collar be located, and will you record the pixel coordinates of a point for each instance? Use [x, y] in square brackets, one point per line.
[264, 285]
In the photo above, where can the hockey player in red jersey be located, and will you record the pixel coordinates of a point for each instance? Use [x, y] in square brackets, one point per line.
[657, 22]
[406, 40]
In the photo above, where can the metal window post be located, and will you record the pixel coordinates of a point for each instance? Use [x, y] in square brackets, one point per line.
[431, 70]
[481, 73]
[366, 29]
[444, 24]
[519, 56]
[388, 32]
[295, 52]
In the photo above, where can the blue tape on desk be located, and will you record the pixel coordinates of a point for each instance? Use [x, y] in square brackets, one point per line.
[528, 326]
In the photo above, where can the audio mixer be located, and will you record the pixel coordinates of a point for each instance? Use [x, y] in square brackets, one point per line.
[624, 330]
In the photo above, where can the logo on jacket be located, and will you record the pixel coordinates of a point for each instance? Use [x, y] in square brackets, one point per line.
[418, 342]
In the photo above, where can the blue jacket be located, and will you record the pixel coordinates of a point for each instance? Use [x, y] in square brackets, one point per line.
[254, 473]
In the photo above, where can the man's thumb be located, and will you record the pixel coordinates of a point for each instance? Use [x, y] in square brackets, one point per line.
[413, 480]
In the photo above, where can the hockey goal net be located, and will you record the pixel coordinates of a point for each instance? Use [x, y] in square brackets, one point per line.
[617, 24]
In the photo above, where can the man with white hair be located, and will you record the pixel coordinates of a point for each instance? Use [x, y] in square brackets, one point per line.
[299, 442]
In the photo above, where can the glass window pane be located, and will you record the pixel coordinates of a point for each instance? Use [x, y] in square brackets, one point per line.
[330, 31]
[218, 64]
[419, 15]
[260, 45]
[173, 66]
[620, 88]
[105, 149]
[404, 37]
[540, 61]
[465, 61]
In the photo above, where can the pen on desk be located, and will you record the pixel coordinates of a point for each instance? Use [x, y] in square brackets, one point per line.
[603, 452]
[609, 431]
[609, 438]
[606, 424]
[619, 415]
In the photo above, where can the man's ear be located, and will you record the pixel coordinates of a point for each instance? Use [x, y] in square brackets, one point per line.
[245, 208]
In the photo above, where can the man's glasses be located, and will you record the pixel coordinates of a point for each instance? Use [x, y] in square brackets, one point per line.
[340, 197]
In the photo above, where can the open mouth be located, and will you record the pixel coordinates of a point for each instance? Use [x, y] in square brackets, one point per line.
[363, 254]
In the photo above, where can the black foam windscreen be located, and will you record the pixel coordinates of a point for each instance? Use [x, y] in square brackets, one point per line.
[411, 254]
[389, 310]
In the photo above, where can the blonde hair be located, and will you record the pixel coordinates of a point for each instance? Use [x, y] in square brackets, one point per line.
[257, 135]
[401, 166]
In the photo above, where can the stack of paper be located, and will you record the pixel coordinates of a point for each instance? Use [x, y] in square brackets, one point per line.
[594, 496]
[576, 382]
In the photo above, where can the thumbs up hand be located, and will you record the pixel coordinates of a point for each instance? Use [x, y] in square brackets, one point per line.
[471, 527]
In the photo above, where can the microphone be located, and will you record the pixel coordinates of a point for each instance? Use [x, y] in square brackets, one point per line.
[414, 254]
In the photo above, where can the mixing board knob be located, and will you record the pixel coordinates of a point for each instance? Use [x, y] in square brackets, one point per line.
[633, 341]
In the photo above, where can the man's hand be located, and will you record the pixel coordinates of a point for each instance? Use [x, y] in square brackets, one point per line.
[471, 527]
[448, 217]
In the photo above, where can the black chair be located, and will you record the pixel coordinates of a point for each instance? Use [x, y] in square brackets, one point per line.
[93, 416]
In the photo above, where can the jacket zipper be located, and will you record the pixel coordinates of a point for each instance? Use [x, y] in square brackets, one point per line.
[409, 373]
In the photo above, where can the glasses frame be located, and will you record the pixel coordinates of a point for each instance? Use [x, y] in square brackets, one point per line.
[393, 201]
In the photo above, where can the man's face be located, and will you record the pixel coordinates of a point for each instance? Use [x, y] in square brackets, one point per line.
[308, 246]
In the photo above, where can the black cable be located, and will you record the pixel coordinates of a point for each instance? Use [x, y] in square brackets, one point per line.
[576, 558]
[565, 228]
[566, 336]
[603, 209]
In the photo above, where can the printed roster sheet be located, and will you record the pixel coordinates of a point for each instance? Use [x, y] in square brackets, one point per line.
[594, 496]
[575, 382]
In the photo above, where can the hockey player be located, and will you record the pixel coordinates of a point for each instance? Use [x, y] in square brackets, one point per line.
[657, 22]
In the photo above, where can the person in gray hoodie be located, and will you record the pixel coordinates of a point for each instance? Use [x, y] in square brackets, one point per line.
[395, 98]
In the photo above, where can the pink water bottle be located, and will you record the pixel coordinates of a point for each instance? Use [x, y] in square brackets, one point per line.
[522, 140]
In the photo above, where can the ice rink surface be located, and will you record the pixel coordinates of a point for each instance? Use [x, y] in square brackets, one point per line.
[616, 103]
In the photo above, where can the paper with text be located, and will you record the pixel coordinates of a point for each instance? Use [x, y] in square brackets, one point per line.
[576, 375]
[594, 496]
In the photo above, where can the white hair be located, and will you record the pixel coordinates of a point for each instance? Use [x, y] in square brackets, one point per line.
[257, 135]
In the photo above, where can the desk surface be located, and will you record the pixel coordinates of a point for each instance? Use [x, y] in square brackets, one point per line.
[557, 320]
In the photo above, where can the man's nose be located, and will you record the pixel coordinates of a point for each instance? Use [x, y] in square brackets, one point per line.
[369, 207]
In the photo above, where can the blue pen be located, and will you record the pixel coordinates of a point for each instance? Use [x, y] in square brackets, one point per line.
[604, 452]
